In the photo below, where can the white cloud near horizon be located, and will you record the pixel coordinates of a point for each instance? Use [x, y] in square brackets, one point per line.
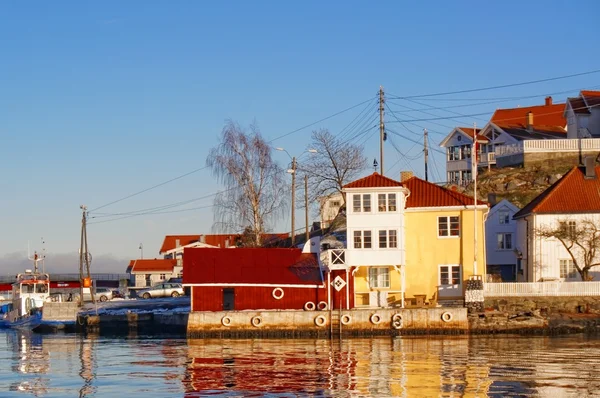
[64, 263]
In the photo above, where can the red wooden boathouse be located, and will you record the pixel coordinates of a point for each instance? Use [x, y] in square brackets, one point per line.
[255, 279]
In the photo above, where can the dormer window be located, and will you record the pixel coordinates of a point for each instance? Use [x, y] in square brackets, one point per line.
[386, 202]
[361, 203]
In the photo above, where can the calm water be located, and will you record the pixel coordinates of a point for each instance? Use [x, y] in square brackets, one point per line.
[73, 365]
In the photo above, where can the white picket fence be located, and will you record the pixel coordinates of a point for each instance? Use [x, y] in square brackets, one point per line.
[551, 145]
[524, 289]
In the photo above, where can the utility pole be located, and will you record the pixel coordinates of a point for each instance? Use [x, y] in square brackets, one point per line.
[306, 206]
[381, 128]
[474, 174]
[84, 257]
[426, 150]
[293, 200]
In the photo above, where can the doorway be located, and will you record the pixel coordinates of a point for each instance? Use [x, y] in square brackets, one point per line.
[228, 299]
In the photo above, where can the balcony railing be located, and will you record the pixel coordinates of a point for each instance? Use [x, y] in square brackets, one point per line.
[532, 289]
[551, 145]
[488, 157]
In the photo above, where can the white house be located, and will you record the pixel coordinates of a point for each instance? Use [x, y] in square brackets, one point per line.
[583, 115]
[148, 272]
[500, 236]
[329, 208]
[375, 233]
[570, 201]
[459, 144]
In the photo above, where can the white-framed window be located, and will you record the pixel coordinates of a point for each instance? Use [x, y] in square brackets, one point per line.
[362, 239]
[450, 275]
[504, 241]
[361, 203]
[448, 226]
[335, 203]
[163, 277]
[386, 202]
[379, 277]
[567, 268]
[503, 217]
[388, 239]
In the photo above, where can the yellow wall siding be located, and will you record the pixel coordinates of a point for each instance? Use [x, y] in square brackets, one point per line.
[425, 251]
[362, 289]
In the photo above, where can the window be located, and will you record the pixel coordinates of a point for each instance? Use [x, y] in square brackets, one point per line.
[386, 202]
[163, 277]
[379, 277]
[453, 153]
[366, 203]
[465, 151]
[356, 203]
[335, 203]
[504, 241]
[449, 275]
[361, 203]
[388, 239]
[570, 227]
[362, 239]
[567, 269]
[503, 217]
[448, 226]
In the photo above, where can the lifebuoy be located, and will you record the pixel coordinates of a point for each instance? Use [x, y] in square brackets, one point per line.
[446, 317]
[309, 306]
[375, 319]
[256, 321]
[345, 319]
[278, 293]
[226, 321]
[320, 320]
[397, 321]
[322, 305]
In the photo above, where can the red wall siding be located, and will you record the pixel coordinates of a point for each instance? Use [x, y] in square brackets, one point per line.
[336, 296]
[256, 298]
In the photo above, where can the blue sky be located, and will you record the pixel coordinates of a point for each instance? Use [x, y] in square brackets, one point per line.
[102, 100]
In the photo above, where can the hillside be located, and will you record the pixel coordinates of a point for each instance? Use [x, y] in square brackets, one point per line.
[518, 184]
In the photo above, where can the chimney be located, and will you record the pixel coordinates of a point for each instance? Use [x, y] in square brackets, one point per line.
[177, 243]
[590, 168]
[202, 239]
[405, 175]
[548, 100]
[530, 121]
[492, 199]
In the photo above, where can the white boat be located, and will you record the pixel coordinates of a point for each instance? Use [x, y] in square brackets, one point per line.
[30, 290]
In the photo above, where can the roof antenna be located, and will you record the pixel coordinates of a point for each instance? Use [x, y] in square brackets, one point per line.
[375, 164]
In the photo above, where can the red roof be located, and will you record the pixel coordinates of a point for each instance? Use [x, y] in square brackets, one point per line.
[573, 193]
[427, 194]
[251, 266]
[422, 193]
[592, 98]
[545, 117]
[375, 180]
[170, 241]
[154, 265]
[470, 131]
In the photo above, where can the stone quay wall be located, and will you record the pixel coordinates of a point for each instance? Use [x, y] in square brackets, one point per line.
[376, 321]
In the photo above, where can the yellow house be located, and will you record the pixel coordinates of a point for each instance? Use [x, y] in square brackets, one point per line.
[440, 241]
[411, 241]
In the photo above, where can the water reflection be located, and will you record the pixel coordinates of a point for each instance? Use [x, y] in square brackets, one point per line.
[96, 365]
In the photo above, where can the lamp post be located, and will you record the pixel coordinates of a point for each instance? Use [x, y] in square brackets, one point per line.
[292, 171]
[141, 251]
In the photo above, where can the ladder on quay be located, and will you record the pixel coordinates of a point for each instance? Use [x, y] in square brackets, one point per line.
[335, 323]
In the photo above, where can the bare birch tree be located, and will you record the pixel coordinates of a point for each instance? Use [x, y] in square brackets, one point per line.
[581, 239]
[255, 188]
[335, 164]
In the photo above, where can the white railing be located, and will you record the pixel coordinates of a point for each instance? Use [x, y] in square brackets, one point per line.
[550, 145]
[488, 157]
[524, 289]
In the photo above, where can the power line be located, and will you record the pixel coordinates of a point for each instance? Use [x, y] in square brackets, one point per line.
[501, 86]
[204, 167]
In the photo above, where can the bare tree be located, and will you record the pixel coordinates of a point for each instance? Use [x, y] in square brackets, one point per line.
[255, 189]
[335, 163]
[581, 239]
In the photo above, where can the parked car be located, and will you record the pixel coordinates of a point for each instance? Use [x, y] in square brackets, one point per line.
[162, 290]
[102, 294]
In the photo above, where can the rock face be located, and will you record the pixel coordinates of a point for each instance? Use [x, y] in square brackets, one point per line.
[517, 184]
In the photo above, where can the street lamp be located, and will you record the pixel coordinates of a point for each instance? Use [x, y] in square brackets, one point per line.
[292, 171]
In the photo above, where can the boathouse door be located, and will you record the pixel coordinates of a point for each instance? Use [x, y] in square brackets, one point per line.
[228, 299]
